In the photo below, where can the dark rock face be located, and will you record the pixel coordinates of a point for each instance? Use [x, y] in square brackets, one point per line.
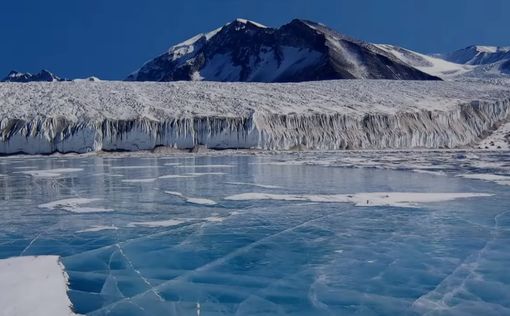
[299, 51]
[505, 67]
[43, 75]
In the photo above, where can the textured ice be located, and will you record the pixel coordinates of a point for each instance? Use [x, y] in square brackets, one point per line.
[157, 255]
[41, 118]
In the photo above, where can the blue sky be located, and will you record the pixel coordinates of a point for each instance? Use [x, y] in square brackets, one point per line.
[111, 38]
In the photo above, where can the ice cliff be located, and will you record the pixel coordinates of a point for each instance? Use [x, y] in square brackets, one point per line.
[43, 118]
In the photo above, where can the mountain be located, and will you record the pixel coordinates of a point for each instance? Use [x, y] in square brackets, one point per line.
[478, 55]
[432, 65]
[299, 51]
[43, 75]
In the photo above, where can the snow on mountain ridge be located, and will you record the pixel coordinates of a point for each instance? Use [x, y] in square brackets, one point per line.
[478, 55]
[243, 50]
[431, 65]
[43, 75]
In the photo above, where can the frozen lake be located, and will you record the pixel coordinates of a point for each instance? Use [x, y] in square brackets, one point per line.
[259, 235]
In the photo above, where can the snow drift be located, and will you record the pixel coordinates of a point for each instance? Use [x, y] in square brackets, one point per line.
[43, 118]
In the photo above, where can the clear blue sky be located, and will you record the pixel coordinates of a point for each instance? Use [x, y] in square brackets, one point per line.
[111, 38]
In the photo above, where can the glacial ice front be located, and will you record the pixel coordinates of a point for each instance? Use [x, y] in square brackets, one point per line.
[43, 118]
[351, 233]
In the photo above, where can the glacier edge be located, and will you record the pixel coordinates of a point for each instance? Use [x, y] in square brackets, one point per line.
[331, 127]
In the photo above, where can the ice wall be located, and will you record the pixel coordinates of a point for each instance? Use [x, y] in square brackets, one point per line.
[424, 129]
[450, 122]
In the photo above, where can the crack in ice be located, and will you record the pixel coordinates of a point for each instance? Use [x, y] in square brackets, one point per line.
[212, 263]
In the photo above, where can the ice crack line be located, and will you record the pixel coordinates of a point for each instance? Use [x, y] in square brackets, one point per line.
[212, 264]
[30, 244]
[466, 268]
[130, 263]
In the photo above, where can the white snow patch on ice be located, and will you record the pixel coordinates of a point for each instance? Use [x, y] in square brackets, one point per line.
[50, 173]
[147, 180]
[74, 205]
[398, 199]
[215, 219]
[200, 201]
[34, 286]
[207, 166]
[174, 176]
[192, 200]
[264, 186]
[154, 224]
[434, 173]
[97, 229]
[502, 180]
[198, 174]
[133, 167]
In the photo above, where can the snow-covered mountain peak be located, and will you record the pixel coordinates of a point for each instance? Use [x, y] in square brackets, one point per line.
[240, 21]
[490, 49]
[478, 55]
[43, 75]
[301, 50]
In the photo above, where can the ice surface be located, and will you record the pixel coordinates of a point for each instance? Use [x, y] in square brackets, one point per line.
[33, 286]
[156, 254]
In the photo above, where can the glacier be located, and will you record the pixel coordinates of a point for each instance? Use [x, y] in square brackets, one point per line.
[80, 117]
